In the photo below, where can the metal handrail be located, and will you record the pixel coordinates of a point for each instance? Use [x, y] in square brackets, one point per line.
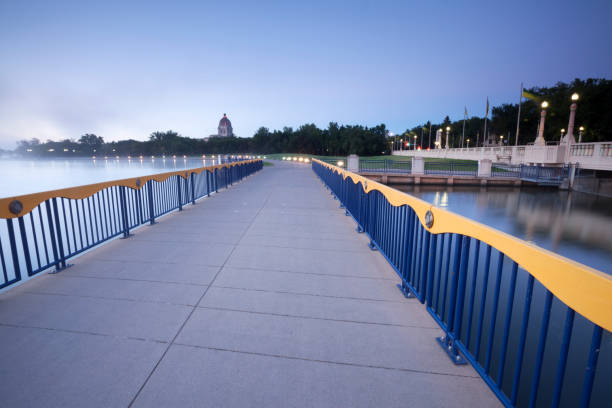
[43, 230]
[445, 260]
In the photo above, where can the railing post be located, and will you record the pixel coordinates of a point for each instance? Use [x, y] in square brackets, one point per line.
[216, 173]
[150, 196]
[124, 212]
[24, 243]
[191, 176]
[178, 189]
[11, 231]
[207, 182]
[60, 242]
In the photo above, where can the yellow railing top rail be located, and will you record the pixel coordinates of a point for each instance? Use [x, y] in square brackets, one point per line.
[584, 289]
[30, 201]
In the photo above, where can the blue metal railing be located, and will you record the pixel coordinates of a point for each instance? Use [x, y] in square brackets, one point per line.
[385, 166]
[59, 228]
[494, 314]
[451, 168]
[544, 174]
[506, 170]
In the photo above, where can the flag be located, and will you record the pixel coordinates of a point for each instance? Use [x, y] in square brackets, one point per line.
[531, 96]
[487, 114]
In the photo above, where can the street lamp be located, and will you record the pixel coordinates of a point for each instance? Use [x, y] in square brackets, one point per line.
[580, 132]
[569, 138]
[501, 140]
[415, 143]
[401, 144]
[562, 133]
[447, 132]
[540, 138]
[468, 143]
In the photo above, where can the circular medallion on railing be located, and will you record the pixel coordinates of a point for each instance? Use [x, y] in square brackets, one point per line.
[15, 207]
[138, 183]
[429, 219]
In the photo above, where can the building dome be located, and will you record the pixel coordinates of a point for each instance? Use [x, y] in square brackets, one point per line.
[225, 127]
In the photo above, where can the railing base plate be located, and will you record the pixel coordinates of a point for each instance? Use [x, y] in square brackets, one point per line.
[451, 350]
[54, 271]
[372, 246]
[406, 291]
[359, 230]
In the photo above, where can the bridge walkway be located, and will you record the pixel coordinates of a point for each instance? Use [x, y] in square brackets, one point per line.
[261, 295]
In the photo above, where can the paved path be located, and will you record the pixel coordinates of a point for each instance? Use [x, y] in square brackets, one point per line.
[262, 295]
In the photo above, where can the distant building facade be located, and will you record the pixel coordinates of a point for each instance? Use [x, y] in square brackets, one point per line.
[224, 129]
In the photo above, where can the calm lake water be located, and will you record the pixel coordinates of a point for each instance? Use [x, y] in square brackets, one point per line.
[31, 176]
[575, 225]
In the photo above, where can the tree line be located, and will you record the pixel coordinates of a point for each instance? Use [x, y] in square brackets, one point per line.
[592, 114]
[339, 140]
[307, 139]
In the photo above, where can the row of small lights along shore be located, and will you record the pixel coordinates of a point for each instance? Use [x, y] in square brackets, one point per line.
[340, 163]
[129, 157]
[299, 159]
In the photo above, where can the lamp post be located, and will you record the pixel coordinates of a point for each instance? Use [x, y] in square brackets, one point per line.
[562, 133]
[501, 140]
[569, 138]
[540, 139]
[468, 143]
[447, 132]
[580, 132]
[415, 143]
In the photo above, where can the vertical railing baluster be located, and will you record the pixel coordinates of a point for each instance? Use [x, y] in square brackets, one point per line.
[523, 337]
[500, 264]
[25, 246]
[567, 337]
[589, 375]
[13, 245]
[504, 348]
[537, 370]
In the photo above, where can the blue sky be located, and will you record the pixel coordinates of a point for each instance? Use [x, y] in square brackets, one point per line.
[125, 69]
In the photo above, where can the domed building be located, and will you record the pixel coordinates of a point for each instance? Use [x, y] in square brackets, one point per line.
[225, 127]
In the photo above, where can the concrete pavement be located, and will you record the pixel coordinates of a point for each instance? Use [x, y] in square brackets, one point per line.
[261, 295]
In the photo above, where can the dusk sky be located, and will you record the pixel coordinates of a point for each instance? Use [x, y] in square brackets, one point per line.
[125, 70]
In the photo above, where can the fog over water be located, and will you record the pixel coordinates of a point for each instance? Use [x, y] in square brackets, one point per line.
[31, 176]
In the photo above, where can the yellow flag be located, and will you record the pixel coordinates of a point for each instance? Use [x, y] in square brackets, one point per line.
[531, 96]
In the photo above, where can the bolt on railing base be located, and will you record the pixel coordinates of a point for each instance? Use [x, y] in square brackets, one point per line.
[54, 270]
[372, 246]
[447, 345]
[405, 291]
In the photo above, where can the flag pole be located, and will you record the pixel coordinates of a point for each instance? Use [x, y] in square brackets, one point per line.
[429, 141]
[518, 118]
[463, 134]
[484, 136]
